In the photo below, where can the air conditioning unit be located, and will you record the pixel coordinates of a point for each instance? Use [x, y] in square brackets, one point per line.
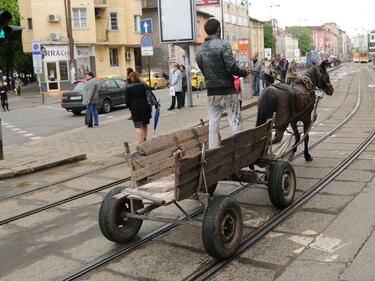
[54, 36]
[53, 18]
[128, 55]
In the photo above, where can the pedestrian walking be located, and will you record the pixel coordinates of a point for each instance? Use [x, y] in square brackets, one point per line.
[237, 86]
[176, 86]
[92, 91]
[269, 72]
[215, 60]
[17, 85]
[264, 61]
[136, 99]
[128, 71]
[257, 71]
[4, 96]
[292, 73]
[283, 65]
[184, 85]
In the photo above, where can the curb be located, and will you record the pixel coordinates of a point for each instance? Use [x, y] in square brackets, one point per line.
[32, 168]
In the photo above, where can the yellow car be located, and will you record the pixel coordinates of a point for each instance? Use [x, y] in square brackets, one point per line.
[157, 80]
[197, 79]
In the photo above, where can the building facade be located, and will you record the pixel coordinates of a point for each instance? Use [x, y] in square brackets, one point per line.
[106, 36]
[256, 37]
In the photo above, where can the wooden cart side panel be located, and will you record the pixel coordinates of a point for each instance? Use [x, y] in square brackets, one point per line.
[162, 142]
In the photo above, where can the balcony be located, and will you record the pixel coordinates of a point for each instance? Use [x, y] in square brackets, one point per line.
[100, 4]
[102, 36]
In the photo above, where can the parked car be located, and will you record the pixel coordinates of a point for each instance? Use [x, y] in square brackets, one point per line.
[111, 93]
[197, 79]
[157, 80]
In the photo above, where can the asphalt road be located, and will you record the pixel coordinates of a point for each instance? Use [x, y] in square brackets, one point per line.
[30, 120]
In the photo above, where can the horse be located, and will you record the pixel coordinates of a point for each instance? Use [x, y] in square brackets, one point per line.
[294, 103]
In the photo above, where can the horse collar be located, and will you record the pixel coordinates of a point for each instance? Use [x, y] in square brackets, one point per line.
[308, 83]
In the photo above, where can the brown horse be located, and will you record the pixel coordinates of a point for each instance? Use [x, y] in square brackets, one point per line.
[294, 103]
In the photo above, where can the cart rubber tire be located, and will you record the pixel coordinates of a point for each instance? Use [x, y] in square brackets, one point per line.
[111, 221]
[222, 227]
[211, 189]
[282, 184]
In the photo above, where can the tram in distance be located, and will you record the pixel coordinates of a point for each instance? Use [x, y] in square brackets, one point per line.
[361, 57]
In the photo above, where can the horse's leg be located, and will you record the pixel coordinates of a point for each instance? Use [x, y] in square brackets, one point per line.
[297, 136]
[306, 125]
[279, 134]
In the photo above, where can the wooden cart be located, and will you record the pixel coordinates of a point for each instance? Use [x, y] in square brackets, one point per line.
[177, 166]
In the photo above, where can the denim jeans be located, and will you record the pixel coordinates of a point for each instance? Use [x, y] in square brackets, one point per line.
[216, 106]
[256, 86]
[94, 120]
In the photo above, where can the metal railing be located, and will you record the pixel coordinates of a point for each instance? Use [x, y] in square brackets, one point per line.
[102, 35]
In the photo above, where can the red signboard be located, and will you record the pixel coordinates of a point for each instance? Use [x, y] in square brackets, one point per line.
[207, 2]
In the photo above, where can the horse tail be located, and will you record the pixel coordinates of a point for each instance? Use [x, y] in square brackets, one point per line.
[266, 106]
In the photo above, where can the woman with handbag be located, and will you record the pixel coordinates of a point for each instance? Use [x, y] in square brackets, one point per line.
[140, 100]
[176, 88]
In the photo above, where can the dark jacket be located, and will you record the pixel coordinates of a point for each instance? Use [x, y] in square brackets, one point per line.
[284, 64]
[3, 93]
[215, 60]
[136, 100]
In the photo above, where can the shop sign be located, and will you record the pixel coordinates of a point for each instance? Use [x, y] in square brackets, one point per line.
[55, 52]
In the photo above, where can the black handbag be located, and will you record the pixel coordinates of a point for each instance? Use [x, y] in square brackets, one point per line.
[151, 99]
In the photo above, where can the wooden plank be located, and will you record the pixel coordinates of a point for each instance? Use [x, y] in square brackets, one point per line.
[188, 163]
[162, 142]
[186, 191]
[153, 169]
[157, 157]
[161, 174]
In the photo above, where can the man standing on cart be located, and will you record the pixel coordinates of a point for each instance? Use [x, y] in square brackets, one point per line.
[216, 61]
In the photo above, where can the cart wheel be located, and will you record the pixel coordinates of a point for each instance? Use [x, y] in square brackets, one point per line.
[222, 227]
[112, 221]
[211, 189]
[282, 184]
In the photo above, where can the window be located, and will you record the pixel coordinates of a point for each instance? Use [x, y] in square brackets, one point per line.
[113, 57]
[121, 83]
[111, 85]
[137, 23]
[80, 18]
[113, 21]
[226, 17]
[63, 65]
[29, 23]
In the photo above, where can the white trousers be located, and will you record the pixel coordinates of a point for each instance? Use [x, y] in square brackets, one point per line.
[216, 106]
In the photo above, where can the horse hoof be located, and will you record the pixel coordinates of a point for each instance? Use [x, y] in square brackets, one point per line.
[308, 158]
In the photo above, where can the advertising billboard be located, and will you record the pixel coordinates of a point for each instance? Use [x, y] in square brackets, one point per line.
[207, 2]
[177, 27]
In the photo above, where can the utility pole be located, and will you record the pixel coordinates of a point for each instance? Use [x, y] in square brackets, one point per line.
[68, 15]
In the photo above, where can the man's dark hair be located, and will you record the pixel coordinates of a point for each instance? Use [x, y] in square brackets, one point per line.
[212, 26]
[128, 71]
[90, 73]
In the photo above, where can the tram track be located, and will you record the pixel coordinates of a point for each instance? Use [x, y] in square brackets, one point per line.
[91, 191]
[125, 249]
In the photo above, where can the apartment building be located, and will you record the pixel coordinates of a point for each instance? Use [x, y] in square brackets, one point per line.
[106, 37]
[256, 37]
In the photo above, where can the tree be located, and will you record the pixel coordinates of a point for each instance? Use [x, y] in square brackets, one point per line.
[269, 38]
[12, 7]
[305, 38]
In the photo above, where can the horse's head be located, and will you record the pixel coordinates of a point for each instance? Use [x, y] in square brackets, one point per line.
[322, 80]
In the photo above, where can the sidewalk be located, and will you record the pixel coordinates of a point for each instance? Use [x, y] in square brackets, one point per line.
[103, 144]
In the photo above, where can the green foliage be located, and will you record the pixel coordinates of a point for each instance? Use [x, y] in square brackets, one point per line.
[305, 38]
[23, 62]
[269, 39]
[12, 7]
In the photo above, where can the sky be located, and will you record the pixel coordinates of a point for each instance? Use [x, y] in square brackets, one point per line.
[354, 17]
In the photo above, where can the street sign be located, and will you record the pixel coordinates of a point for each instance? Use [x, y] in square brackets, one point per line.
[147, 41]
[147, 51]
[35, 46]
[146, 26]
[177, 27]
[268, 53]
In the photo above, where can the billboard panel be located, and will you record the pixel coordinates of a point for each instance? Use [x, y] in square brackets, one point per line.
[176, 27]
[207, 2]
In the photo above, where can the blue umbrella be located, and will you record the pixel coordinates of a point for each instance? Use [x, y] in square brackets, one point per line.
[156, 118]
